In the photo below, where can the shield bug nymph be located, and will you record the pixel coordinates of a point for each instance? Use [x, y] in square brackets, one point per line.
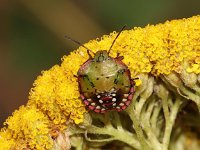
[105, 82]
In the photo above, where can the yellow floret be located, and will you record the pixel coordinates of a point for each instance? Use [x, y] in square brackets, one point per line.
[28, 127]
[6, 140]
[157, 49]
[56, 94]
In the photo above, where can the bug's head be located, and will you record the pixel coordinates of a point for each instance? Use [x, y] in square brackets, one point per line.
[101, 56]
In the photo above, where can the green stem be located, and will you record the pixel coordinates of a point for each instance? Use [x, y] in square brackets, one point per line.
[144, 96]
[123, 136]
[79, 146]
[107, 120]
[117, 121]
[154, 118]
[138, 129]
[181, 89]
[191, 95]
[145, 119]
[170, 122]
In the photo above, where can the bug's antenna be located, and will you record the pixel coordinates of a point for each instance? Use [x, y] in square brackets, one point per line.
[116, 38]
[77, 42]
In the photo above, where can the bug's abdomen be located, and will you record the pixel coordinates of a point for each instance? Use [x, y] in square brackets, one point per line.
[104, 101]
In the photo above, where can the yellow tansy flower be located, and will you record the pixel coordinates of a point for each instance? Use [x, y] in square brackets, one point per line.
[27, 128]
[56, 94]
[157, 49]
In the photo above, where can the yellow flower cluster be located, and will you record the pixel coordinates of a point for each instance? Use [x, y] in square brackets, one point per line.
[27, 128]
[56, 94]
[54, 99]
[157, 49]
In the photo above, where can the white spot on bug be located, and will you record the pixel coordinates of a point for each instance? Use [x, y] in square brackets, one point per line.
[118, 107]
[93, 104]
[103, 109]
[98, 96]
[89, 99]
[125, 95]
[124, 100]
[100, 101]
[98, 107]
[114, 99]
[98, 91]
[113, 89]
[114, 104]
[121, 104]
[113, 94]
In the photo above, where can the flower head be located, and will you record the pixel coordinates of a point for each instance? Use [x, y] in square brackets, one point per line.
[27, 128]
[56, 94]
[156, 49]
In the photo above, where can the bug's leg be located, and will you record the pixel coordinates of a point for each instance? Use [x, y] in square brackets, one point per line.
[88, 52]
[133, 80]
[75, 76]
[119, 57]
[136, 78]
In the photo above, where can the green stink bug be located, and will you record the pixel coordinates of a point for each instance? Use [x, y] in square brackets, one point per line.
[105, 82]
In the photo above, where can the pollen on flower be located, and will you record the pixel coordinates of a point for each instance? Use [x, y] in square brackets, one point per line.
[138, 82]
[27, 128]
[158, 49]
[56, 94]
[195, 68]
[6, 140]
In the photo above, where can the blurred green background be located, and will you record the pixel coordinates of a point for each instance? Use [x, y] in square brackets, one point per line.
[32, 34]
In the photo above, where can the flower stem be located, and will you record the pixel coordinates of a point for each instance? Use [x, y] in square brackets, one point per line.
[138, 129]
[123, 136]
[170, 122]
